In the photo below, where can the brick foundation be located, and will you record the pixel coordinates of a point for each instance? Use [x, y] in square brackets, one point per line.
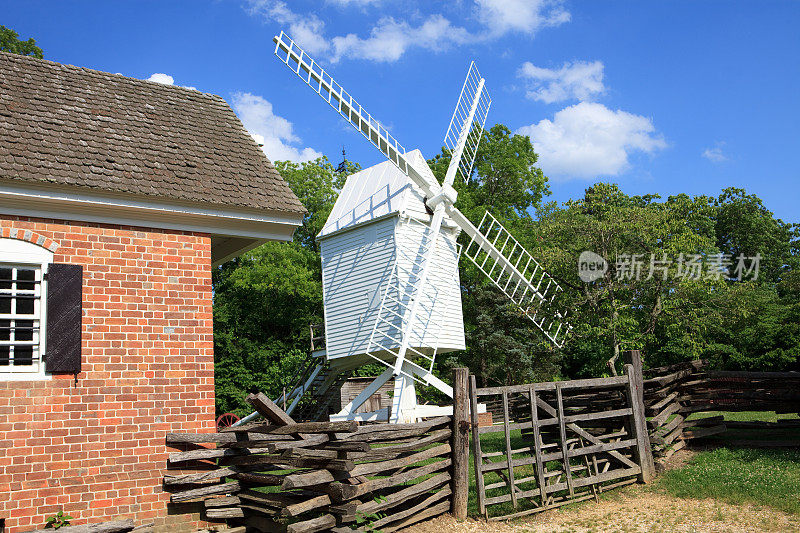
[94, 447]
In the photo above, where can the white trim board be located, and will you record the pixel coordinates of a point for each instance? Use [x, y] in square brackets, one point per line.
[243, 228]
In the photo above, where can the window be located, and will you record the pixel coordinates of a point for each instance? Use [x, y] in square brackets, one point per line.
[22, 308]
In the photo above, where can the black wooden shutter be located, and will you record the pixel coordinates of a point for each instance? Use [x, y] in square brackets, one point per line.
[64, 310]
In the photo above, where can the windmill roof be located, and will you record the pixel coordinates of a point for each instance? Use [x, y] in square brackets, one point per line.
[62, 125]
[376, 192]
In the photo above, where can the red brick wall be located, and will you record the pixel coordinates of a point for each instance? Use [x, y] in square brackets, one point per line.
[95, 448]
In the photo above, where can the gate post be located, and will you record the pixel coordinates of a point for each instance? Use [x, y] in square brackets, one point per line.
[460, 482]
[636, 399]
[634, 358]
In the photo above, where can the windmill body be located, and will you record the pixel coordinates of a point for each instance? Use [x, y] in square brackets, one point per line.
[370, 248]
[390, 257]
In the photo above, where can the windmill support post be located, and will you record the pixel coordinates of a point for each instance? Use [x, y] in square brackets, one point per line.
[404, 401]
[348, 412]
[402, 382]
[446, 196]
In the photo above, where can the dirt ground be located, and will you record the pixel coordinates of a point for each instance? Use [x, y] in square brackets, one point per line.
[632, 510]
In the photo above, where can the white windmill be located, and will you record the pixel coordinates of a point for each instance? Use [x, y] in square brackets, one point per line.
[390, 259]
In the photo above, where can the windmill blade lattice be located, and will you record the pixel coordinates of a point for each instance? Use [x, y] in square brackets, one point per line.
[340, 100]
[460, 122]
[514, 271]
[403, 286]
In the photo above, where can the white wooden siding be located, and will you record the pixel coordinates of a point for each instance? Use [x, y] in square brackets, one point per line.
[355, 267]
[442, 324]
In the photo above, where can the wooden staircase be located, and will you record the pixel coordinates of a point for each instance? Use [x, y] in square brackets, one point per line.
[322, 397]
[316, 388]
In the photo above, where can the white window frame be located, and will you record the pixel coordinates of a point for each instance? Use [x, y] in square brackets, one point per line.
[15, 253]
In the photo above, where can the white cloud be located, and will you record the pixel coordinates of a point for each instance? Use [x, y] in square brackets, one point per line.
[715, 154]
[158, 77]
[580, 80]
[525, 16]
[273, 132]
[588, 140]
[166, 79]
[390, 39]
[307, 30]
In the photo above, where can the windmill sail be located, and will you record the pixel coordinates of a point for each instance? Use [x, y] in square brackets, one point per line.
[475, 101]
[340, 100]
[514, 271]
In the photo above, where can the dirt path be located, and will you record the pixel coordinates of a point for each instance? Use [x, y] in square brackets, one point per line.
[632, 510]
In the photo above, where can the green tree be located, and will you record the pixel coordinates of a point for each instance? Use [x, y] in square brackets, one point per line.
[622, 309]
[737, 324]
[265, 300]
[10, 42]
[744, 226]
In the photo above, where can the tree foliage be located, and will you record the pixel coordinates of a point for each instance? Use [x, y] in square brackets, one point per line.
[737, 324]
[265, 300]
[10, 42]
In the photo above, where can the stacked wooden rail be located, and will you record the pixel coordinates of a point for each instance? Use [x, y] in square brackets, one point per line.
[279, 475]
[673, 393]
[115, 526]
[576, 439]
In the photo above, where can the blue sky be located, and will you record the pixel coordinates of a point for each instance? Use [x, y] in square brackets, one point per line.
[664, 97]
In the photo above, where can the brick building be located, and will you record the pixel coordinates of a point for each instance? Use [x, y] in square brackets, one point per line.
[117, 197]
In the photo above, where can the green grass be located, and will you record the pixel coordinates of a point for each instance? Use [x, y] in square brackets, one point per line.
[746, 416]
[496, 442]
[768, 477]
[761, 476]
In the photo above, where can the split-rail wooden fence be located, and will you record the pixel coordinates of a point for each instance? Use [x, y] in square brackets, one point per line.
[673, 393]
[562, 442]
[287, 476]
[550, 444]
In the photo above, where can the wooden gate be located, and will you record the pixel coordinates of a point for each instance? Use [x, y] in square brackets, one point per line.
[558, 442]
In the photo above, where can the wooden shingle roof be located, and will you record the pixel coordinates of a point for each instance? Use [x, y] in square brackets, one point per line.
[82, 128]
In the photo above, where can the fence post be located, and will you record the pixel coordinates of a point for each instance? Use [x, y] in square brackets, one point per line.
[460, 482]
[634, 357]
[636, 399]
